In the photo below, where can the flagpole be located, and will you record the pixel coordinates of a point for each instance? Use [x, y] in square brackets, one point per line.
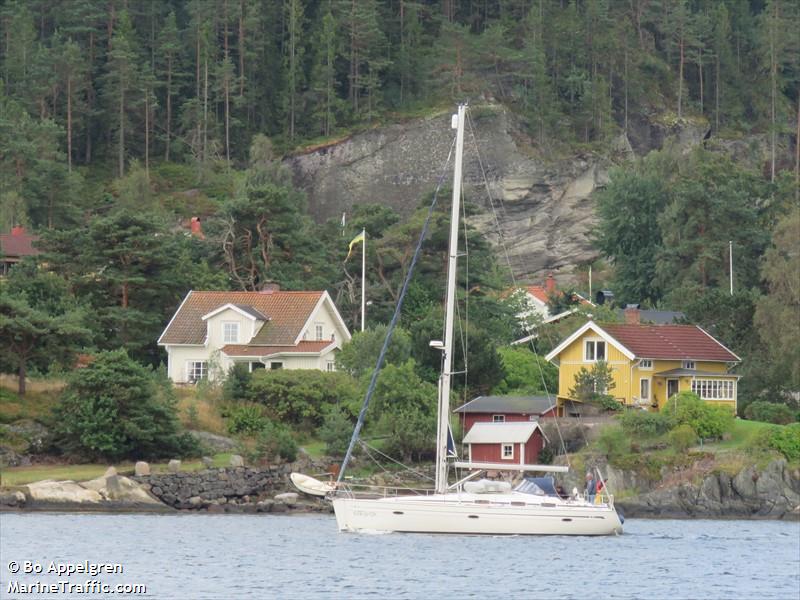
[363, 276]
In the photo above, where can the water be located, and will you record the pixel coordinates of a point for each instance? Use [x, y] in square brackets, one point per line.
[303, 556]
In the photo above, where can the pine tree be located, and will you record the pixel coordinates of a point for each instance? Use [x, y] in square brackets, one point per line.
[168, 63]
[121, 78]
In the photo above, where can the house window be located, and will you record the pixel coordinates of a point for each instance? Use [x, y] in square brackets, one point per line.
[594, 350]
[689, 364]
[714, 389]
[331, 366]
[646, 364]
[196, 370]
[255, 366]
[319, 330]
[498, 418]
[644, 388]
[508, 451]
[230, 333]
[275, 365]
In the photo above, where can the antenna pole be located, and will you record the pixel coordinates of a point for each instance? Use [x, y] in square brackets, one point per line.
[730, 267]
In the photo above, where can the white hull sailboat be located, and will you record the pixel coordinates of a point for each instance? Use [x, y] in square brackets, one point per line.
[460, 512]
[467, 506]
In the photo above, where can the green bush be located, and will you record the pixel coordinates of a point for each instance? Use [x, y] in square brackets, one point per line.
[300, 397]
[245, 419]
[682, 437]
[613, 442]
[786, 440]
[276, 441]
[770, 412]
[709, 421]
[643, 423]
[115, 408]
[237, 383]
[336, 431]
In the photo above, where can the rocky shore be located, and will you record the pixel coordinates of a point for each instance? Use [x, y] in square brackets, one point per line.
[772, 492]
[225, 490]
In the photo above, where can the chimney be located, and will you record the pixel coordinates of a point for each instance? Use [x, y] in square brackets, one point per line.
[550, 284]
[196, 228]
[270, 287]
[632, 315]
[17, 230]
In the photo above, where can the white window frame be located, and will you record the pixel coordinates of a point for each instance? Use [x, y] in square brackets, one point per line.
[714, 389]
[498, 418]
[689, 364]
[319, 331]
[594, 345]
[503, 448]
[646, 364]
[276, 365]
[196, 370]
[330, 366]
[229, 327]
[649, 388]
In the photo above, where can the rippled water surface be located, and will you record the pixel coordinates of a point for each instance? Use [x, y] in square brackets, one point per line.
[259, 556]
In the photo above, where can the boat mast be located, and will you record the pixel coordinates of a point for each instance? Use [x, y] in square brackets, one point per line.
[444, 379]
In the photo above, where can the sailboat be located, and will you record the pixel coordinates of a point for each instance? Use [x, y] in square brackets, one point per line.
[468, 506]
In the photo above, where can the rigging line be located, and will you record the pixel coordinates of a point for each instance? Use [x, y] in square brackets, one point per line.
[466, 288]
[369, 454]
[406, 467]
[513, 278]
[395, 317]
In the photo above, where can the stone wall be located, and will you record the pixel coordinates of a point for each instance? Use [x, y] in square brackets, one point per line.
[237, 486]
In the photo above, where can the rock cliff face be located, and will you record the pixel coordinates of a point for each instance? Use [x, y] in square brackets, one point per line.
[543, 205]
[771, 493]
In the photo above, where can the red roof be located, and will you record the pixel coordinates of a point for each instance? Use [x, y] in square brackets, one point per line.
[17, 243]
[287, 313]
[538, 292]
[304, 346]
[670, 342]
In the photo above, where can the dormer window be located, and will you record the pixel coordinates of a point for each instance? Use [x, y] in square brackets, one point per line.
[230, 333]
[689, 364]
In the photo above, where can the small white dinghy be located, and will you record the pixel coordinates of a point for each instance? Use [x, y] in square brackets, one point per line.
[309, 485]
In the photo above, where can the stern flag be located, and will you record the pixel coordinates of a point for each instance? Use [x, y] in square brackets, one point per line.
[358, 239]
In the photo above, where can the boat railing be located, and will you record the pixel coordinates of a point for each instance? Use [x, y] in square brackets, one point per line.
[364, 490]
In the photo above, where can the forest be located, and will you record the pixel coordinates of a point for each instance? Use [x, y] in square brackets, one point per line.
[121, 119]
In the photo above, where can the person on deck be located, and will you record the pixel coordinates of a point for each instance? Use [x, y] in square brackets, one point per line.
[591, 487]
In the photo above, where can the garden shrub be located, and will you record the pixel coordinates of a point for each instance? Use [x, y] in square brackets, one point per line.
[613, 442]
[770, 412]
[246, 419]
[300, 397]
[785, 439]
[237, 383]
[683, 437]
[276, 441]
[643, 423]
[709, 421]
[336, 431]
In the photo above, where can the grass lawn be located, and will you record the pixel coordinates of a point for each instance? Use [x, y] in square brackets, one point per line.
[21, 475]
[741, 435]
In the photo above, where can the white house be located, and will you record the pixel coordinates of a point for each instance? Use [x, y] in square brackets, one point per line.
[271, 329]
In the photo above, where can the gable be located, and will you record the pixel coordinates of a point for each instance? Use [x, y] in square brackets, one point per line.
[595, 329]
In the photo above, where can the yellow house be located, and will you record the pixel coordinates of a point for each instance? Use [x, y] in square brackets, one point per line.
[649, 363]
